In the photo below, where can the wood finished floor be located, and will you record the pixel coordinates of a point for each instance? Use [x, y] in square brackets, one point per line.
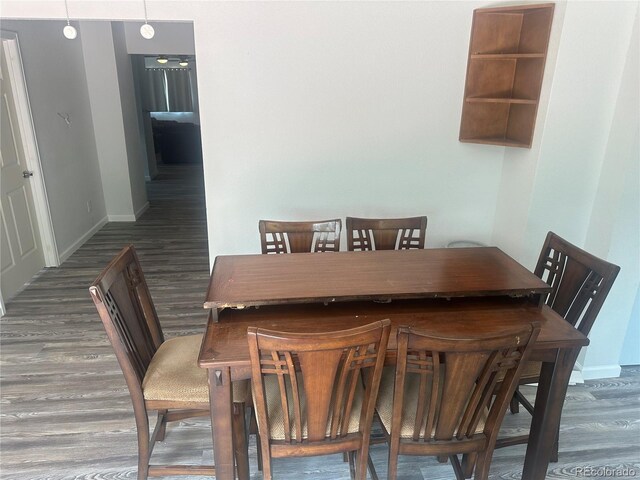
[65, 410]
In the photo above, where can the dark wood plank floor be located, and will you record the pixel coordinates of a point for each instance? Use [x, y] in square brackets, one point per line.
[65, 411]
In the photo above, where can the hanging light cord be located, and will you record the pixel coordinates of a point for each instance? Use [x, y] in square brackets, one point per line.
[144, 2]
[66, 7]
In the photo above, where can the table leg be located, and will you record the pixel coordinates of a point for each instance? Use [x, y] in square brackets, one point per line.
[552, 389]
[221, 403]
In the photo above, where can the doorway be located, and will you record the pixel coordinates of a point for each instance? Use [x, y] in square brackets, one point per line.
[27, 243]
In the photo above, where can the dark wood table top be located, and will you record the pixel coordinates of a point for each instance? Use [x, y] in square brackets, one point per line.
[225, 341]
[239, 281]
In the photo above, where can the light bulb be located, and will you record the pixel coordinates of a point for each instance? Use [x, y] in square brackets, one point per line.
[162, 59]
[147, 31]
[70, 32]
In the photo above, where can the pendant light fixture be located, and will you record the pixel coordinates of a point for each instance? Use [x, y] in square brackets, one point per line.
[146, 30]
[69, 31]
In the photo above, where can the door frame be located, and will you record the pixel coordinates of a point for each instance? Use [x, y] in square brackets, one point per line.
[11, 50]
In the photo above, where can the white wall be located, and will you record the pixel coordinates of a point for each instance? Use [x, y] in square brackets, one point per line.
[56, 81]
[630, 354]
[328, 109]
[170, 38]
[580, 179]
[322, 110]
[120, 149]
[576, 131]
[97, 45]
[133, 128]
[615, 222]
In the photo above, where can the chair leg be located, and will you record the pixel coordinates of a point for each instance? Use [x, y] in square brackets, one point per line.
[457, 468]
[514, 404]
[352, 464]
[363, 459]
[162, 428]
[482, 468]
[253, 430]
[523, 400]
[266, 458]
[394, 451]
[144, 448]
[372, 468]
[554, 450]
[240, 446]
[469, 463]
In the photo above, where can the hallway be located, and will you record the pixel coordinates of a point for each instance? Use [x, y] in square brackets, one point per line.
[66, 412]
[65, 408]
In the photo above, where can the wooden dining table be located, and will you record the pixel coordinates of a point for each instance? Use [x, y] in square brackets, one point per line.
[449, 292]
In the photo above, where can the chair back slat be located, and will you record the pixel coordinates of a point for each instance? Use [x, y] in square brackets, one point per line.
[299, 237]
[456, 379]
[386, 234]
[124, 303]
[318, 375]
[580, 281]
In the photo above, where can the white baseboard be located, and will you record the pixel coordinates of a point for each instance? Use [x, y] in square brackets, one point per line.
[122, 218]
[142, 209]
[78, 243]
[129, 218]
[576, 377]
[601, 371]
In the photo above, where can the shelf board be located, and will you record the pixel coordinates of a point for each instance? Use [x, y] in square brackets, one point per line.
[521, 101]
[499, 56]
[504, 142]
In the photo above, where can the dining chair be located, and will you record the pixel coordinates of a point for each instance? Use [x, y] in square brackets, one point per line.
[580, 284]
[314, 393]
[161, 374]
[300, 237]
[385, 234]
[438, 399]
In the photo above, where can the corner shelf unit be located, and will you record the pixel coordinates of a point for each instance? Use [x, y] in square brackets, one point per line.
[507, 54]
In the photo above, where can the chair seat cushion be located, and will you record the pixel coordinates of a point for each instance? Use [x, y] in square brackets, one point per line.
[384, 405]
[276, 416]
[174, 375]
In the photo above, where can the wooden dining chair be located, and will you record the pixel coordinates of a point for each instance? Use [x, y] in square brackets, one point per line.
[580, 284]
[300, 237]
[314, 393]
[385, 234]
[438, 401]
[161, 374]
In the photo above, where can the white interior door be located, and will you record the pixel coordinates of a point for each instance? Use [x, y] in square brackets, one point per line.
[20, 244]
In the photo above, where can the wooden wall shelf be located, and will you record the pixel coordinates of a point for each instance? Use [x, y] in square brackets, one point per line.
[507, 54]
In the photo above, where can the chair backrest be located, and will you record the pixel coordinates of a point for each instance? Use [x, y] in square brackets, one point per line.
[122, 298]
[580, 281]
[325, 366]
[386, 234]
[456, 379]
[300, 237]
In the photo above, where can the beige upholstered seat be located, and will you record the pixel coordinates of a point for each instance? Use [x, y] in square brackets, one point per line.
[174, 374]
[161, 375]
[276, 417]
[384, 405]
[438, 399]
[314, 392]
